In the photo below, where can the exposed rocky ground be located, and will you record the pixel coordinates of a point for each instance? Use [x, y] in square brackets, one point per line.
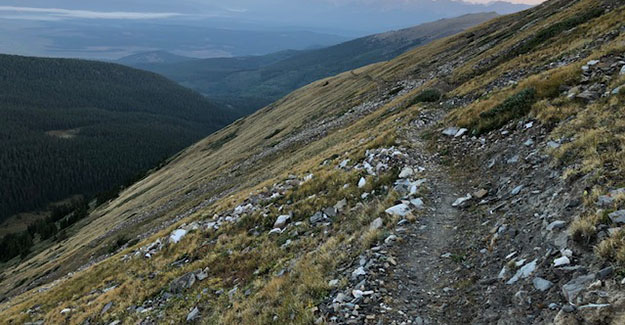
[490, 245]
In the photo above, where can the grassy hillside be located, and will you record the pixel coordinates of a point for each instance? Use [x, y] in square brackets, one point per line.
[250, 83]
[306, 153]
[79, 127]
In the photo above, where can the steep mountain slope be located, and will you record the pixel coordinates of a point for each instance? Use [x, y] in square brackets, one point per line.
[78, 127]
[251, 83]
[346, 201]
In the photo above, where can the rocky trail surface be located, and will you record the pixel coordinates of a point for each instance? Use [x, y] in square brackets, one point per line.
[488, 246]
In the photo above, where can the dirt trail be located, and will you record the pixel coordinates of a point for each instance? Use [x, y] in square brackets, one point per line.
[425, 283]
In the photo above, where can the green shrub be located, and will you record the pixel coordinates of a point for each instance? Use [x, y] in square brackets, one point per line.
[427, 96]
[515, 106]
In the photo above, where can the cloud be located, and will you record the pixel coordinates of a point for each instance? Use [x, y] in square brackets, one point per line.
[85, 14]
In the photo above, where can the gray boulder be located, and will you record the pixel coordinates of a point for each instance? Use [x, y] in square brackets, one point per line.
[182, 283]
[542, 284]
[571, 290]
[281, 221]
[317, 217]
[617, 217]
[193, 315]
[330, 212]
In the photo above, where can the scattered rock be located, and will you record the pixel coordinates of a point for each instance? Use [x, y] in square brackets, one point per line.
[617, 217]
[542, 284]
[106, 308]
[553, 145]
[575, 286]
[451, 131]
[605, 273]
[281, 221]
[362, 182]
[182, 283]
[193, 314]
[376, 224]
[513, 160]
[177, 235]
[480, 194]
[417, 203]
[331, 212]
[201, 275]
[561, 261]
[401, 210]
[317, 217]
[358, 272]
[406, 172]
[558, 224]
[461, 132]
[461, 201]
[340, 205]
[516, 190]
[523, 272]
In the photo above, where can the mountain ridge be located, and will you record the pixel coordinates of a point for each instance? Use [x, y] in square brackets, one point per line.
[273, 76]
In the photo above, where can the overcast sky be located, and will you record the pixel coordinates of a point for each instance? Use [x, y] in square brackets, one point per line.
[46, 27]
[162, 9]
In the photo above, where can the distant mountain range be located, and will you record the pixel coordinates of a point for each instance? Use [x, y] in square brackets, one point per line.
[153, 57]
[248, 83]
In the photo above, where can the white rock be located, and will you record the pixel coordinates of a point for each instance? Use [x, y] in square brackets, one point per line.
[281, 221]
[340, 297]
[461, 132]
[542, 284]
[401, 210]
[357, 293]
[340, 205]
[193, 314]
[418, 203]
[344, 163]
[177, 235]
[406, 172]
[275, 231]
[359, 271]
[376, 224]
[390, 239]
[592, 62]
[523, 272]
[461, 200]
[553, 145]
[516, 190]
[65, 311]
[362, 182]
[561, 261]
[622, 73]
[451, 131]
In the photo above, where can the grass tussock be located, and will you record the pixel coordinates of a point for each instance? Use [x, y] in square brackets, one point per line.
[513, 107]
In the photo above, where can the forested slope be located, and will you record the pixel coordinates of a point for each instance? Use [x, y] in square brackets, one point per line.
[80, 127]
